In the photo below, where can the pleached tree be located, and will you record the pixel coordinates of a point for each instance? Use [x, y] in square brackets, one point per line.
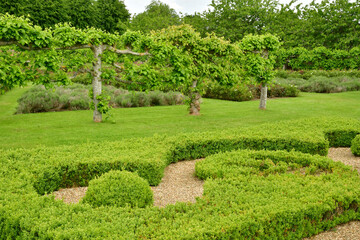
[18, 36]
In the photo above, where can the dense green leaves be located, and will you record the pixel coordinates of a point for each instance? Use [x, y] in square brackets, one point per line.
[196, 58]
[318, 58]
[355, 146]
[259, 56]
[157, 16]
[119, 189]
[109, 15]
[112, 15]
[235, 19]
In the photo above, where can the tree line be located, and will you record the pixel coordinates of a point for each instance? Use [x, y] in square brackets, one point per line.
[333, 24]
[108, 15]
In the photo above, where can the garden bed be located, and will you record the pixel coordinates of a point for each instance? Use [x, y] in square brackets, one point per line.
[258, 198]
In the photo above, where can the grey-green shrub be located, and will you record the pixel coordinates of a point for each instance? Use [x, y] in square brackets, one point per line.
[119, 189]
[355, 146]
[321, 84]
[242, 92]
[76, 97]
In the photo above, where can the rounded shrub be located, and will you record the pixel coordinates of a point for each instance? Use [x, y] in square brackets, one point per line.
[355, 146]
[119, 188]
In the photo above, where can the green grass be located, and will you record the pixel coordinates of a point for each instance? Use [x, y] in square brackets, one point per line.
[67, 128]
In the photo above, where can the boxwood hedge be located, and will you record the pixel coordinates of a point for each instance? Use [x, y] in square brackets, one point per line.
[285, 190]
[119, 188]
[355, 146]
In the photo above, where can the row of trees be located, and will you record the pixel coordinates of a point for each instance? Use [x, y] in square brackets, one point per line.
[329, 23]
[333, 24]
[109, 15]
[188, 58]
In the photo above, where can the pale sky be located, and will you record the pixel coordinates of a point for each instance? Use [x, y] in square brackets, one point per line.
[184, 6]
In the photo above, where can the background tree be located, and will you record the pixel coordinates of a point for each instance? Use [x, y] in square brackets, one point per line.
[288, 24]
[259, 60]
[333, 24]
[112, 15]
[234, 19]
[157, 16]
[14, 7]
[82, 13]
[198, 22]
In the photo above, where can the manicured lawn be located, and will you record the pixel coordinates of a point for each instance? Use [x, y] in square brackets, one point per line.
[66, 128]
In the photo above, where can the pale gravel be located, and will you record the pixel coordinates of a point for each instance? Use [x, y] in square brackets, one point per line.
[179, 184]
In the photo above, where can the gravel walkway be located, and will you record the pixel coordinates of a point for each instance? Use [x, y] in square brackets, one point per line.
[179, 184]
[350, 230]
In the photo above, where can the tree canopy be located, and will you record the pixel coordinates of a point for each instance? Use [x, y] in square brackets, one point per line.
[157, 16]
[109, 15]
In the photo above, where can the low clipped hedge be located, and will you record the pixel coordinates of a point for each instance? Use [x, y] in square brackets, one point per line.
[119, 189]
[355, 146]
[285, 190]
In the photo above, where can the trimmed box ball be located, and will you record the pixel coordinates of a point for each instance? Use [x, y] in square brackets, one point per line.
[120, 189]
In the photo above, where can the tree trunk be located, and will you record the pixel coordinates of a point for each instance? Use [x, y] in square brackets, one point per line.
[96, 82]
[194, 100]
[263, 96]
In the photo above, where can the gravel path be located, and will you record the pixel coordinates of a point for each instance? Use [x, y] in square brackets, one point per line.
[179, 184]
[350, 230]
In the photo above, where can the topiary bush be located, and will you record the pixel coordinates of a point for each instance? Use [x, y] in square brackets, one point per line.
[119, 188]
[355, 146]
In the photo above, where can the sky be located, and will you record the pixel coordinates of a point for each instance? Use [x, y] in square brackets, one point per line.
[183, 6]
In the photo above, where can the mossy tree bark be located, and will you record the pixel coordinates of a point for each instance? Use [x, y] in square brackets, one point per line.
[96, 82]
[194, 96]
[263, 96]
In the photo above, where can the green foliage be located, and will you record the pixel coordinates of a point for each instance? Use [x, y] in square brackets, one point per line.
[110, 14]
[313, 25]
[324, 28]
[41, 12]
[319, 58]
[103, 102]
[306, 74]
[119, 189]
[82, 13]
[260, 194]
[156, 16]
[195, 59]
[261, 163]
[235, 19]
[236, 93]
[259, 61]
[355, 146]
